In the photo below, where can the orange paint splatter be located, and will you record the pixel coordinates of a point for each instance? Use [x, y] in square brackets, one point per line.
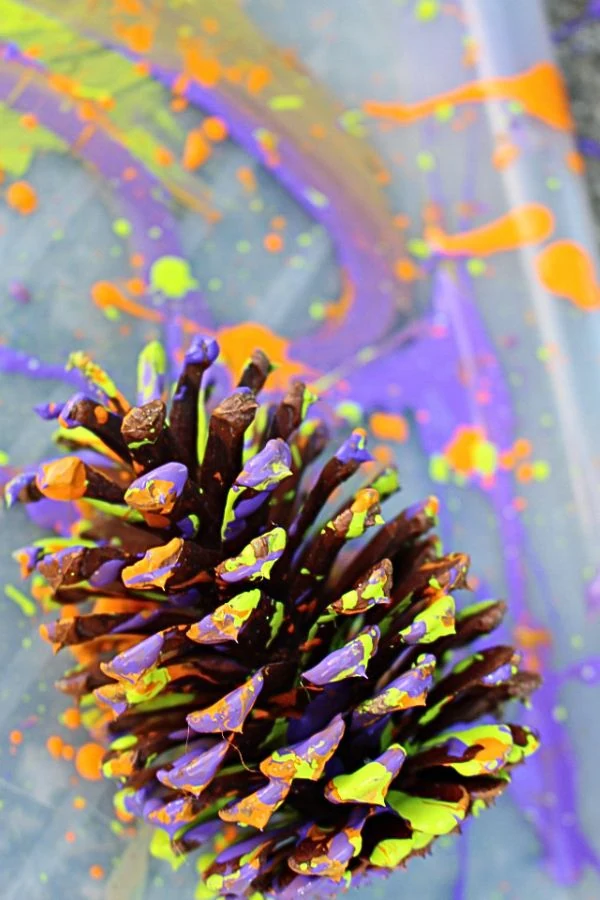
[54, 746]
[522, 226]
[129, 174]
[205, 70]
[29, 121]
[406, 270]
[139, 37]
[575, 162]
[136, 286]
[238, 342]
[72, 717]
[79, 803]
[566, 268]
[88, 761]
[258, 78]
[383, 454]
[21, 197]
[196, 150]
[105, 294]
[16, 737]
[532, 640]
[215, 129]
[273, 242]
[96, 872]
[163, 156]
[68, 752]
[246, 178]
[210, 26]
[504, 155]
[70, 837]
[389, 426]
[540, 90]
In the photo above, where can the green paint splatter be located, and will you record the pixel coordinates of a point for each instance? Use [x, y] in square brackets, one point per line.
[122, 227]
[426, 161]
[286, 101]
[172, 276]
[25, 603]
[426, 10]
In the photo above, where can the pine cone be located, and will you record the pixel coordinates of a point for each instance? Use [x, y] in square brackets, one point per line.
[307, 715]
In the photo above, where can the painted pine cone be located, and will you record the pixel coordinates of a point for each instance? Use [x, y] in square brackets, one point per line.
[307, 715]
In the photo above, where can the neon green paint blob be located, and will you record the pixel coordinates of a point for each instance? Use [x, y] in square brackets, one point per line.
[122, 227]
[389, 853]
[160, 848]
[485, 458]
[426, 161]
[171, 276]
[429, 815]
[426, 10]
[368, 784]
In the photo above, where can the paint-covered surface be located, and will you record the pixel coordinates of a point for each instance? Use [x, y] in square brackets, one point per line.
[391, 204]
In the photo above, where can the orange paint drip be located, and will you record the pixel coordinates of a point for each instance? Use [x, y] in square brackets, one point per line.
[540, 90]
[196, 150]
[16, 737]
[88, 761]
[566, 268]
[21, 197]
[522, 226]
[105, 294]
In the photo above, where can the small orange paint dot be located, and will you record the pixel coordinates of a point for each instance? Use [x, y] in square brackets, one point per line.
[178, 104]
[129, 174]
[28, 120]
[522, 448]
[210, 26]
[575, 162]
[137, 260]
[406, 270]
[96, 872]
[16, 737]
[21, 197]
[278, 223]
[54, 745]
[136, 286]
[72, 717]
[68, 752]
[88, 761]
[525, 472]
[70, 837]
[273, 243]
[258, 78]
[163, 156]
[215, 129]
[79, 802]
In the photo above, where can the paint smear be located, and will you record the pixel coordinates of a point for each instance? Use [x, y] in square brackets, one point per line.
[566, 268]
[522, 226]
[540, 90]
